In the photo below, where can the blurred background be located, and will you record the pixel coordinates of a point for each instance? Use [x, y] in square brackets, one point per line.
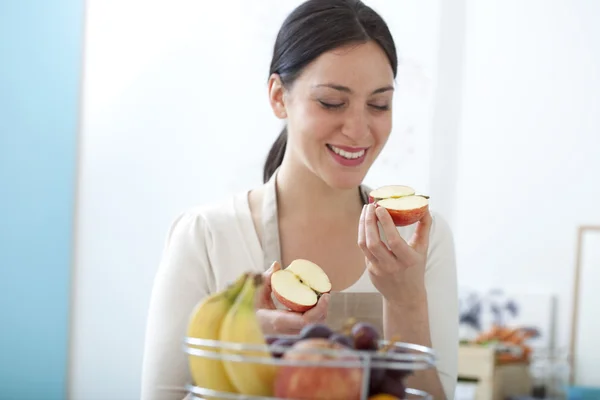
[117, 115]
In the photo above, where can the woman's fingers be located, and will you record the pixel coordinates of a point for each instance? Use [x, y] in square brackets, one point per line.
[395, 242]
[290, 322]
[319, 312]
[362, 237]
[280, 321]
[420, 239]
[373, 239]
[276, 266]
[264, 298]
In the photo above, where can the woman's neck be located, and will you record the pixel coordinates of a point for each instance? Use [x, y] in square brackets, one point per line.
[302, 193]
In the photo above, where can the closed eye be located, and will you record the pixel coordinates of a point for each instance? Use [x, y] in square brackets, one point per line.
[331, 105]
[379, 108]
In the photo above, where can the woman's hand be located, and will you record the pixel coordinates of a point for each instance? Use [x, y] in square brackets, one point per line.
[275, 321]
[397, 269]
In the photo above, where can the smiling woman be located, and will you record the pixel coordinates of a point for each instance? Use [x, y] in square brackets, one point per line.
[332, 80]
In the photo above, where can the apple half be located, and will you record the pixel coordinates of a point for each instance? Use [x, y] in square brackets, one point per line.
[299, 286]
[404, 206]
[390, 192]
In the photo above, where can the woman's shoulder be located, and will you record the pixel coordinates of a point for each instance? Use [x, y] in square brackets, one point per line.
[217, 212]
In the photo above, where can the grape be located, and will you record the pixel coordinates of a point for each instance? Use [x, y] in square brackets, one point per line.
[365, 336]
[398, 373]
[342, 339]
[315, 331]
[282, 343]
[271, 339]
[392, 386]
[376, 378]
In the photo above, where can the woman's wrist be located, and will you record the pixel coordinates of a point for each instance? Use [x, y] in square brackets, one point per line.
[414, 300]
[407, 321]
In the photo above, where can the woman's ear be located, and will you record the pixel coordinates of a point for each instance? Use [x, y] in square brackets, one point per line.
[277, 96]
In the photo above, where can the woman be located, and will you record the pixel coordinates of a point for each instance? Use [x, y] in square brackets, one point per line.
[332, 80]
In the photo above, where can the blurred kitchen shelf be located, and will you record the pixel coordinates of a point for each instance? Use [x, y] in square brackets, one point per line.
[495, 381]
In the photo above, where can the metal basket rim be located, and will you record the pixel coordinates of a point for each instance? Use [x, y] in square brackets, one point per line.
[194, 341]
[389, 360]
[197, 390]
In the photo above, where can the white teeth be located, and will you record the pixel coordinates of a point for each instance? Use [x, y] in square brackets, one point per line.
[347, 154]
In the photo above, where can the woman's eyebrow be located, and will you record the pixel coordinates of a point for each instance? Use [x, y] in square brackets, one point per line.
[346, 89]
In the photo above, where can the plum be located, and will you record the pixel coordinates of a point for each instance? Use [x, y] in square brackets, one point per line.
[342, 339]
[392, 386]
[365, 336]
[315, 331]
[285, 342]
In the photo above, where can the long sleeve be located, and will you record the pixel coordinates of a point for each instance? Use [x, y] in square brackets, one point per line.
[442, 295]
[182, 280]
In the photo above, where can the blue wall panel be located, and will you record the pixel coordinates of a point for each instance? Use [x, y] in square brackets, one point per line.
[40, 73]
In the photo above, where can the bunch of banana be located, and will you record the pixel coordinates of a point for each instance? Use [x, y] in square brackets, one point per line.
[205, 323]
[241, 326]
[229, 316]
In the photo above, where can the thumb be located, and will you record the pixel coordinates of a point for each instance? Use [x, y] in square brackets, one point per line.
[264, 297]
[318, 312]
[420, 239]
[276, 266]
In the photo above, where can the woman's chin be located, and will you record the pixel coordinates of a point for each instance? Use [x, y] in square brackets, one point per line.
[343, 180]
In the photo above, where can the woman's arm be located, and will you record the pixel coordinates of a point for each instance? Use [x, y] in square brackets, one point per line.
[432, 318]
[181, 281]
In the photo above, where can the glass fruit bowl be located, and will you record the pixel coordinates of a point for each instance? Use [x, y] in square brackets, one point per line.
[318, 364]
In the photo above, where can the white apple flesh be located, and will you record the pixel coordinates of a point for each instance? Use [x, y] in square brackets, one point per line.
[405, 210]
[390, 192]
[299, 286]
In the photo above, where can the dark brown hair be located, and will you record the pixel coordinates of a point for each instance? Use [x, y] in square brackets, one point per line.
[313, 28]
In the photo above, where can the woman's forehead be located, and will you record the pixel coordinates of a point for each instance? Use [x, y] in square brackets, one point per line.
[360, 67]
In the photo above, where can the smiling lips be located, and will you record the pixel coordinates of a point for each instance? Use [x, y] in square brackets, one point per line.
[348, 156]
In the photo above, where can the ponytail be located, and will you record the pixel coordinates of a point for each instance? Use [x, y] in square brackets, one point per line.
[275, 156]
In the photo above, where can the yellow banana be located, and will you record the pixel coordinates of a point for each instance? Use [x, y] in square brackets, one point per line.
[205, 323]
[241, 326]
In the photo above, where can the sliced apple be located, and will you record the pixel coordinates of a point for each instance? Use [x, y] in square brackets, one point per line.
[405, 210]
[299, 286]
[390, 192]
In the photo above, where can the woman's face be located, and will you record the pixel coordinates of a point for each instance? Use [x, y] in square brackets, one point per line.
[339, 113]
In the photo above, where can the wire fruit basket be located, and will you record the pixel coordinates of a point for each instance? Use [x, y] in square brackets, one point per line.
[393, 361]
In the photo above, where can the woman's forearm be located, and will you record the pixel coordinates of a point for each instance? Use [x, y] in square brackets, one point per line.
[410, 324]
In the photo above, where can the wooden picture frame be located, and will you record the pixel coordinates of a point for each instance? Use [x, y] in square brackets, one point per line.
[576, 313]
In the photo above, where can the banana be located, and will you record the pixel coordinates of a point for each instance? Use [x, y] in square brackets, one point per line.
[205, 323]
[241, 326]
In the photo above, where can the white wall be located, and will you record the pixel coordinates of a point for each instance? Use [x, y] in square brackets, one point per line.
[529, 145]
[169, 88]
[511, 164]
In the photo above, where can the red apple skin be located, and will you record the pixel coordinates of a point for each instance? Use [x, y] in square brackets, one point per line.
[317, 383]
[291, 305]
[406, 217]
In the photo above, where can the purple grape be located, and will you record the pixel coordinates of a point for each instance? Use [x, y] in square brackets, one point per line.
[398, 373]
[287, 343]
[315, 331]
[376, 378]
[271, 339]
[365, 336]
[392, 386]
[342, 339]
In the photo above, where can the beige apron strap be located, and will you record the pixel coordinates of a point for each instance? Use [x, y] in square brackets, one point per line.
[270, 223]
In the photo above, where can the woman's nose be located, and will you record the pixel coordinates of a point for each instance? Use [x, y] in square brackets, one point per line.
[356, 125]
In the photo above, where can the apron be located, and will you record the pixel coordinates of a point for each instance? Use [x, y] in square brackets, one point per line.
[360, 301]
